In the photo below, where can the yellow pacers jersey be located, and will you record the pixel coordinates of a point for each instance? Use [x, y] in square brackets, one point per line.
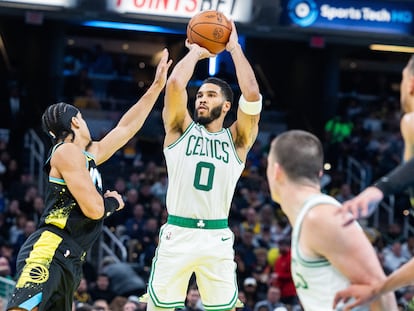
[203, 170]
[316, 280]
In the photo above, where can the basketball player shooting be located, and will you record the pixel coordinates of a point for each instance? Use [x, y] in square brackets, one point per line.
[204, 162]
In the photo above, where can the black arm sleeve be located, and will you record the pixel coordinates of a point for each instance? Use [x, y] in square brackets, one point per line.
[398, 179]
[111, 205]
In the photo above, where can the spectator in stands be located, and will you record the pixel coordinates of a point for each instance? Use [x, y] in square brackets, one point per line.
[261, 271]
[145, 195]
[345, 193]
[5, 268]
[149, 242]
[242, 298]
[393, 257]
[29, 228]
[159, 188]
[135, 224]
[7, 251]
[26, 203]
[131, 199]
[250, 292]
[17, 228]
[272, 300]
[38, 206]
[102, 289]
[130, 306]
[82, 292]
[245, 250]
[192, 301]
[124, 281]
[251, 221]
[282, 274]
[118, 303]
[121, 186]
[407, 247]
[134, 180]
[100, 305]
[156, 209]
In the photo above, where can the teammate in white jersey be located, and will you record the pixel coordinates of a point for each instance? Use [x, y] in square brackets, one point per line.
[204, 162]
[324, 257]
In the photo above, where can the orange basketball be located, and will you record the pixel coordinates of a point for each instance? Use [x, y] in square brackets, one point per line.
[209, 29]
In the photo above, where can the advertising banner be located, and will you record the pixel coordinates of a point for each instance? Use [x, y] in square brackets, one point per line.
[238, 10]
[55, 3]
[350, 15]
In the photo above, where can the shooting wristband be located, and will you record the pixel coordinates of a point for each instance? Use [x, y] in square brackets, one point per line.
[398, 179]
[250, 108]
[111, 205]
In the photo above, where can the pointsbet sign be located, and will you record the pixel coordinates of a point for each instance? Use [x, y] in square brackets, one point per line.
[238, 10]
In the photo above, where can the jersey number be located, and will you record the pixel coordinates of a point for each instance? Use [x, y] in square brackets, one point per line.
[203, 179]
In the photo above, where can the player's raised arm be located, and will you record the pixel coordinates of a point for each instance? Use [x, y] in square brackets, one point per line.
[132, 121]
[246, 128]
[175, 113]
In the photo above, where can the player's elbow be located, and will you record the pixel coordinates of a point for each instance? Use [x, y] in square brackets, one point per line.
[252, 93]
[94, 209]
[175, 84]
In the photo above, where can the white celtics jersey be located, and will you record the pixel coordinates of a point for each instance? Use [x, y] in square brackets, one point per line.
[203, 170]
[316, 280]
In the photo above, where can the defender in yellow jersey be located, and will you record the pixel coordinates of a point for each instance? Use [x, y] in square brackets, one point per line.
[50, 261]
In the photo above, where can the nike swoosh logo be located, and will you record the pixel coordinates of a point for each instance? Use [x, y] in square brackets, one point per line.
[225, 239]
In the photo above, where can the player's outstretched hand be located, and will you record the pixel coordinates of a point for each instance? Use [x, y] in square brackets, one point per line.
[202, 52]
[117, 196]
[354, 295]
[162, 69]
[363, 205]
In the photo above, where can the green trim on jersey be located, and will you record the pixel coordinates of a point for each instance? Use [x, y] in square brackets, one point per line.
[58, 181]
[182, 136]
[309, 263]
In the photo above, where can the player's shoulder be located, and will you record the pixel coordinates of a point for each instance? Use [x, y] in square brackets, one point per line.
[321, 214]
[66, 152]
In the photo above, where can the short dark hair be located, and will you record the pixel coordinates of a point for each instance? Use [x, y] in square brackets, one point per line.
[56, 121]
[300, 154]
[224, 86]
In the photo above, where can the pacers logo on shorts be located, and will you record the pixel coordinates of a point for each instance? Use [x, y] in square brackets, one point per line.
[33, 273]
[303, 12]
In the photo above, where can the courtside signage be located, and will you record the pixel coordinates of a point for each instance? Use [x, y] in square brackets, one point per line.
[351, 15]
[238, 10]
[58, 3]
